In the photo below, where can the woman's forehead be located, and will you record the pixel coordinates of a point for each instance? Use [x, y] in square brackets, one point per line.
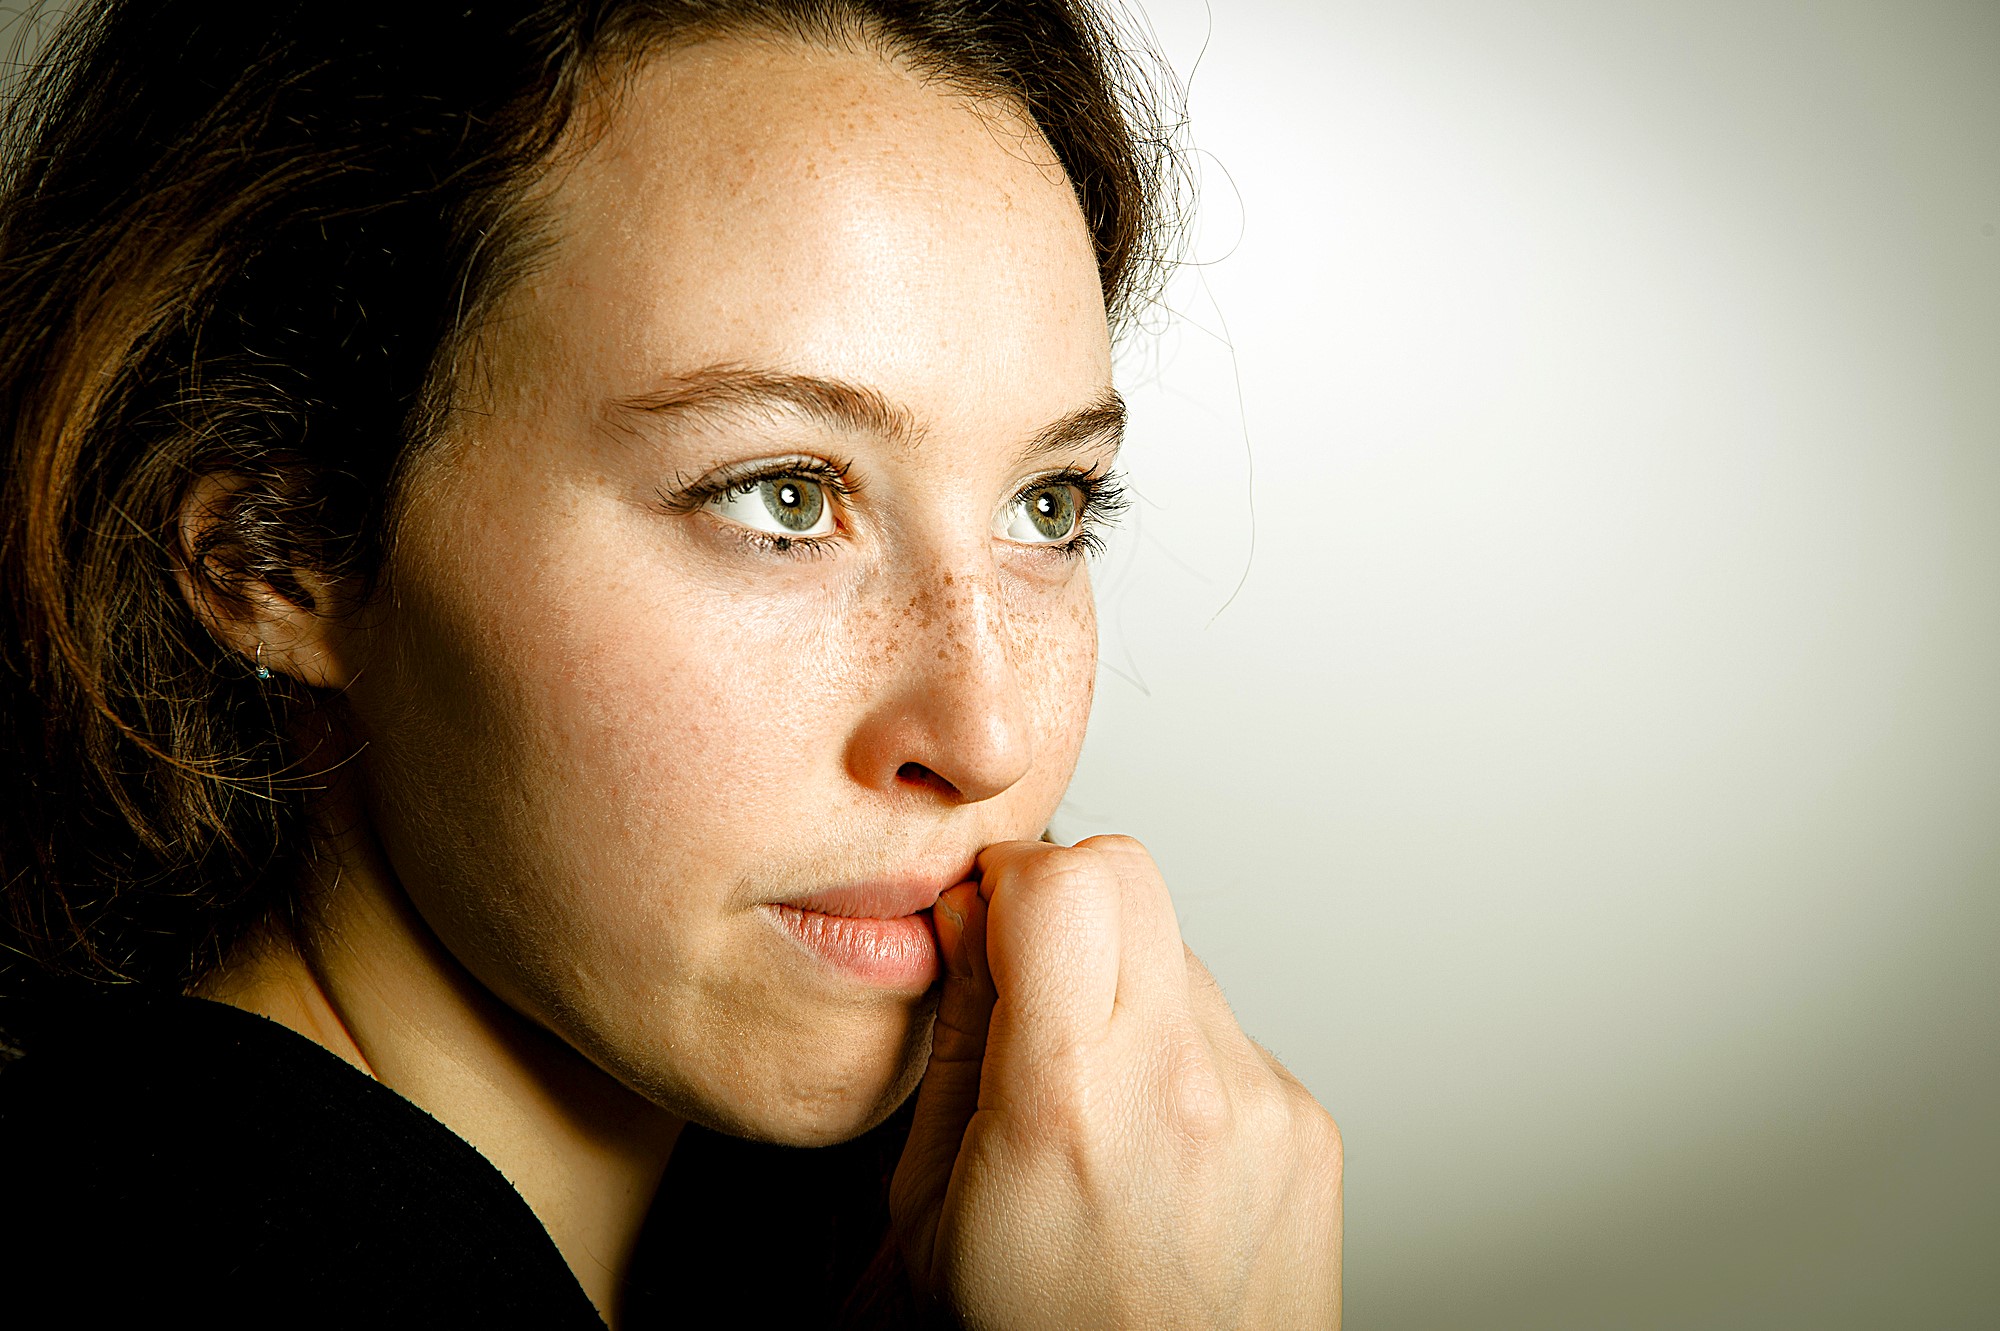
[826, 212]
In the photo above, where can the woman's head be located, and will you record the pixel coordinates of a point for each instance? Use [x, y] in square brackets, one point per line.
[650, 443]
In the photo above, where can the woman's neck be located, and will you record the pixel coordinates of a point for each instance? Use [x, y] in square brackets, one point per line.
[370, 982]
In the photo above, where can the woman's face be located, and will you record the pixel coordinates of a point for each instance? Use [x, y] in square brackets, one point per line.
[752, 575]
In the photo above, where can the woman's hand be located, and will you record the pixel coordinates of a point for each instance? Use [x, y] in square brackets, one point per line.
[1096, 1142]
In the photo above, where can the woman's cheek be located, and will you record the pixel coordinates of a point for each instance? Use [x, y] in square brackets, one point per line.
[696, 712]
[1057, 666]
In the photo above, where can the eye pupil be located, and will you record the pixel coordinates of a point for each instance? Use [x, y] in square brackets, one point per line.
[1054, 512]
[795, 503]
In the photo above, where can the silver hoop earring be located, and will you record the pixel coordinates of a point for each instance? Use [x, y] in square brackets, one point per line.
[263, 671]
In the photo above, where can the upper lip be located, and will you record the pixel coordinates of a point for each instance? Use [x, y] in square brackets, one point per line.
[879, 899]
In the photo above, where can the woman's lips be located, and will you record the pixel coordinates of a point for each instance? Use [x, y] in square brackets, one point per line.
[876, 932]
[894, 952]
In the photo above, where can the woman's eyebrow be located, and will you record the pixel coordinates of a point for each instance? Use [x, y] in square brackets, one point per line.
[736, 389]
[1100, 424]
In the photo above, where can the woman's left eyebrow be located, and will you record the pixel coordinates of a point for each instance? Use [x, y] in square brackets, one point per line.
[1100, 424]
[1097, 426]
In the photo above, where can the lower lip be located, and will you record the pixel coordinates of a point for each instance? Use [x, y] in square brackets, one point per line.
[899, 953]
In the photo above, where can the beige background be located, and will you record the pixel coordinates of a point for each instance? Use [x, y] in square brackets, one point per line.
[1593, 788]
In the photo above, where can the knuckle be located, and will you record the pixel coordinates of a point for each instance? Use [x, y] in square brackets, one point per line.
[1324, 1135]
[1201, 1107]
[1072, 1110]
[1282, 1108]
[1062, 874]
[1072, 865]
[1115, 845]
[1269, 1108]
[1203, 1114]
[1311, 1129]
[1123, 857]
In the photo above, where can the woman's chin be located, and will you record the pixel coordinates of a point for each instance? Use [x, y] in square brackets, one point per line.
[830, 1090]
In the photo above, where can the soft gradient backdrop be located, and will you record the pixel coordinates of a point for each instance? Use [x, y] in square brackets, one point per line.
[1593, 791]
[1591, 786]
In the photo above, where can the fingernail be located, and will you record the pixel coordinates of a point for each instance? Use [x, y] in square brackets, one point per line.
[955, 964]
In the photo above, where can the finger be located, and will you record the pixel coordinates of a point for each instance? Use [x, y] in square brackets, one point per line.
[948, 1096]
[1080, 937]
[1153, 971]
[966, 1001]
[1053, 947]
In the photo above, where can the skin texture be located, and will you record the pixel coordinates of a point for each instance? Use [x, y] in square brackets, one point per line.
[1097, 1143]
[600, 729]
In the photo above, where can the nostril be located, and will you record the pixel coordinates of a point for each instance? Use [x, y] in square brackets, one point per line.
[916, 774]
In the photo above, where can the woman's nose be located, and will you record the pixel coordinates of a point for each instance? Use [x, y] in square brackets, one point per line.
[948, 714]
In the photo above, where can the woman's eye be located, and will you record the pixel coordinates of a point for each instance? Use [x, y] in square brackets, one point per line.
[1045, 515]
[780, 505]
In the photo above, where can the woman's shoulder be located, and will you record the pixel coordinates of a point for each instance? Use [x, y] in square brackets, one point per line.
[169, 1151]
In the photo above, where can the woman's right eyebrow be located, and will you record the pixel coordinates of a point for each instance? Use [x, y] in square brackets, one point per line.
[738, 390]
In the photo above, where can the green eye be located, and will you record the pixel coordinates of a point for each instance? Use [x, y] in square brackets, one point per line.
[1044, 515]
[779, 505]
[796, 503]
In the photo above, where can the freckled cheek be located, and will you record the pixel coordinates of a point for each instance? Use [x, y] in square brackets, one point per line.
[1056, 663]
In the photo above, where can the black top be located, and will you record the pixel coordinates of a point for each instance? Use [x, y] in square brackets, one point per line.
[160, 1153]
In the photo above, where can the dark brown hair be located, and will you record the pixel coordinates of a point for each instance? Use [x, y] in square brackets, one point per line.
[257, 240]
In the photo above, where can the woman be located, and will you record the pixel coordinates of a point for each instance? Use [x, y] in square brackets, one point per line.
[546, 560]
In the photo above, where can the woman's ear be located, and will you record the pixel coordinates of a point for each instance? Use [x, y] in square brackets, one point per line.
[286, 621]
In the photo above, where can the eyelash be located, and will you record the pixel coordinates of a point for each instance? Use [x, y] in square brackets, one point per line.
[832, 474]
[1104, 499]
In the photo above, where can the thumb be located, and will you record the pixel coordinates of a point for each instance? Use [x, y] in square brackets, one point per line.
[948, 1096]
